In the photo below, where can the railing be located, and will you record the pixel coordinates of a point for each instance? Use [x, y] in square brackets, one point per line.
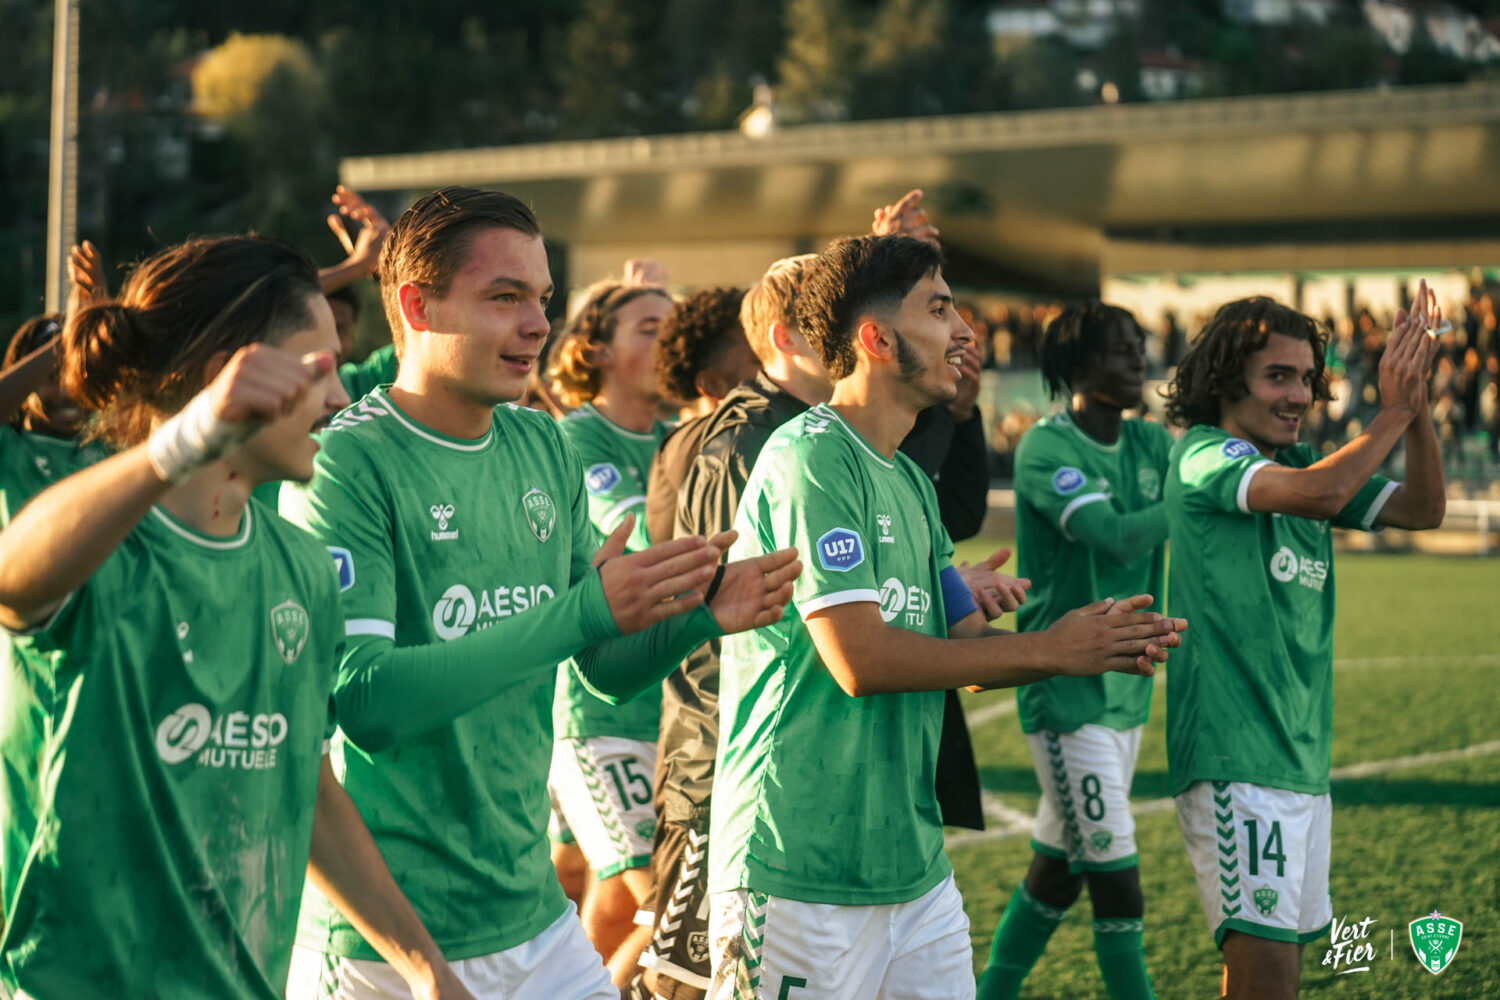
[1480, 517]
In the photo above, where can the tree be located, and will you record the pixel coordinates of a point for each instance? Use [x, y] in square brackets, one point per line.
[269, 95]
[821, 58]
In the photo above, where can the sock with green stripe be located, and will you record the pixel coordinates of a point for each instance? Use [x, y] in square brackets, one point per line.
[1122, 960]
[1019, 941]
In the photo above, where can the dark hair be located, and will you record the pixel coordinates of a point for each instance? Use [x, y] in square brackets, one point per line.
[347, 295]
[1212, 371]
[853, 278]
[1076, 337]
[430, 241]
[142, 354]
[575, 373]
[694, 335]
[30, 335]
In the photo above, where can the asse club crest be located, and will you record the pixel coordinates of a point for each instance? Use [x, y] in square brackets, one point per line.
[290, 628]
[1265, 901]
[541, 513]
[1435, 939]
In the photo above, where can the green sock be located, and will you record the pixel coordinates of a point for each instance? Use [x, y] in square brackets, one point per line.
[1122, 961]
[1019, 941]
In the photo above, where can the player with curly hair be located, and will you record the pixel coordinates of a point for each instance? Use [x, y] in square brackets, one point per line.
[1250, 706]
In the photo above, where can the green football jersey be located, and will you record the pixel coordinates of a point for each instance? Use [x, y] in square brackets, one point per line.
[29, 463]
[821, 797]
[616, 463]
[184, 695]
[1250, 693]
[438, 537]
[1060, 470]
[361, 378]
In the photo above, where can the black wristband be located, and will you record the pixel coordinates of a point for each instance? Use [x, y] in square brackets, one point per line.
[713, 586]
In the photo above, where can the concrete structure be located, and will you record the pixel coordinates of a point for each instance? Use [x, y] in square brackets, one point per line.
[1045, 201]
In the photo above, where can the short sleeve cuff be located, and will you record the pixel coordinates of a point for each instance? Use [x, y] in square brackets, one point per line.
[1242, 495]
[822, 601]
[1368, 522]
[370, 626]
[1073, 506]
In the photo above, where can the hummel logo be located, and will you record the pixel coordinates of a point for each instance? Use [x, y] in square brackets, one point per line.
[884, 520]
[441, 512]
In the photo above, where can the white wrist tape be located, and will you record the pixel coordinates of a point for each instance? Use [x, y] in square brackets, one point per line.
[192, 439]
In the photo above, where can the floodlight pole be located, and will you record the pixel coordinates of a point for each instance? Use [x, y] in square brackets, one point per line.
[62, 173]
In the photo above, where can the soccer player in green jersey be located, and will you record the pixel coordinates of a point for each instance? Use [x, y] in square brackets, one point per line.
[462, 530]
[827, 873]
[1250, 703]
[605, 755]
[1090, 524]
[174, 652]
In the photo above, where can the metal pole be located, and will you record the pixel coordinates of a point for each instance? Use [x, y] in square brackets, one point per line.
[62, 180]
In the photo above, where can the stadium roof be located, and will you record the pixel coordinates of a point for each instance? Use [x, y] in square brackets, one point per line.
[1373, 178]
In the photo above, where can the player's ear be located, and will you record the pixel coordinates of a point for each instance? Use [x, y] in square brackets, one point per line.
[413, 302]
[876, 339]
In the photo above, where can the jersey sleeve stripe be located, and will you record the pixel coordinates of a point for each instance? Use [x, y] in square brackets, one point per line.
[370, 626]
[1077, 502]
[612, 517]
[1242, 495]
[1375, 508]
[832, 600]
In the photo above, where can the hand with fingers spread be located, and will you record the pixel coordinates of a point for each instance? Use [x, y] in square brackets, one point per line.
[905, 218]
[753, 592]
[86, 280]
[363, 248]
[654, 584]
[1114, 635]
[994, 592]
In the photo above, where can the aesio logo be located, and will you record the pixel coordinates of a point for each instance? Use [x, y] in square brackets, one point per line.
[454, 612]
[1284, 565]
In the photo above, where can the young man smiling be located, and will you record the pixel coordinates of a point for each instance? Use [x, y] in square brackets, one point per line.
[466, 558]
[827, 874]
[1250, 705]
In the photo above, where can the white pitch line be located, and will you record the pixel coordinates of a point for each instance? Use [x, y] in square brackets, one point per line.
[1015, 822]
[986, 714]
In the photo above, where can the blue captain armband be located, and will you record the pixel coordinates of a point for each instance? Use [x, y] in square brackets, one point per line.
[958, 603]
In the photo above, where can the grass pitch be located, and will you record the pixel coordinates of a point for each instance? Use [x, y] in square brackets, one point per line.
[1416, 794]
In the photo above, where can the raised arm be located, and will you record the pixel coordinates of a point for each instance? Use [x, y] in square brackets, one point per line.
[1324, 488]
[27, 376]
[363, 249]
[67, 531]
[1422, 500]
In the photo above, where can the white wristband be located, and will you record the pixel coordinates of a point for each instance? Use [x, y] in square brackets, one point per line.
[193, 438]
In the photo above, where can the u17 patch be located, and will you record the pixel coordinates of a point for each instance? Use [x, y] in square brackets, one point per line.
[601, 478]
[1237, 448]
[840, 550]
[1068, 480]
[343, 561]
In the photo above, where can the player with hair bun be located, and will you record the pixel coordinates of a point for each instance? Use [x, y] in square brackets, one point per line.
[176, 650]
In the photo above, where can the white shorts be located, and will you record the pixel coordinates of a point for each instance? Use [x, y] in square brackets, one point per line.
[557, 826]
[559, 963]
[603, 788]
[763, 946]
[1261, 859]
[1084, 816]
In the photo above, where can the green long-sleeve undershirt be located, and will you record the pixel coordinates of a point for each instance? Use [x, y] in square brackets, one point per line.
[387, 694]
[1117, 536]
